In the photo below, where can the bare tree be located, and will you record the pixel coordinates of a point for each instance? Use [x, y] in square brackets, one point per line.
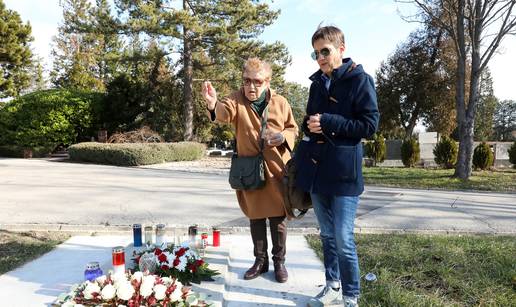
[477, 27]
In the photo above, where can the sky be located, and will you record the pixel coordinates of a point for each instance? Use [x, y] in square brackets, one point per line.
[372, 30]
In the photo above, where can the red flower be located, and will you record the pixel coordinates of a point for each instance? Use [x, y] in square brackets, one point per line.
[165, 267]
[176, 262]
[181, 252]
[199, 262]
[157, 251]
[152, 300]
[162, 258]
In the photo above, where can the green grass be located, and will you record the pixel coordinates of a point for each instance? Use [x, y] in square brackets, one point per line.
[499, 180]
[19, 248]
[423, 270]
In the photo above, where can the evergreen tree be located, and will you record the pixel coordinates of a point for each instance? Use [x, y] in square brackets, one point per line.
[15, 53]
[486, 106]
[86, 48]
[505, 121]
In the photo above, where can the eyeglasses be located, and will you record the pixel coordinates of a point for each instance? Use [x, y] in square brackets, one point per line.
[324, 52]
[256, 82]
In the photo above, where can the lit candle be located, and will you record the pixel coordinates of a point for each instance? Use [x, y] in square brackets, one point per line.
[148, 235]
[216, 236]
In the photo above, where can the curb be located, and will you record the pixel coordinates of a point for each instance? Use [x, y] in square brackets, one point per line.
[124, 229]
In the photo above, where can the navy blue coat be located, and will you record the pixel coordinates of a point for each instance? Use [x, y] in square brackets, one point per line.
[331, 163]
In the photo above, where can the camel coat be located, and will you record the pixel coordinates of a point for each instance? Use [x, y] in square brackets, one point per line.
[236, 109]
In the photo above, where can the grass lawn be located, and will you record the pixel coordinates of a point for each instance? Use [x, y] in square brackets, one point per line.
[438, 270]
[419, 178]
[19, 248]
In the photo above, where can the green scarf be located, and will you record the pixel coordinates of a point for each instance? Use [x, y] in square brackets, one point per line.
[259, 104]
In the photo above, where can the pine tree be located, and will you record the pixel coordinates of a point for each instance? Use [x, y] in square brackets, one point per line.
[15, 53]
[486, 105]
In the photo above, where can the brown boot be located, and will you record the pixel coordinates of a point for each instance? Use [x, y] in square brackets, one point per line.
[280, 272]
[259, 267]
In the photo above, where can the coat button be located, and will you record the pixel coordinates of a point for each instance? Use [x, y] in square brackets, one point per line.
[333, 133]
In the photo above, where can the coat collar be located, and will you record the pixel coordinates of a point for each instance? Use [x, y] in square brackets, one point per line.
[337, 73]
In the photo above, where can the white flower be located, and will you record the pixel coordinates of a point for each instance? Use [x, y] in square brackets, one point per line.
[101, 279]
[68, 304]
[137, 276]
[159, 291]
[146, 289]
[179, 284]
[90, 289]
[167, 280]
[176, 295]
[182, 263]
[125, 291]
[108, 292]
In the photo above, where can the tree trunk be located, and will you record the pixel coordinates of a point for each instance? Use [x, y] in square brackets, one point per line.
[461, 169]
[187, 83]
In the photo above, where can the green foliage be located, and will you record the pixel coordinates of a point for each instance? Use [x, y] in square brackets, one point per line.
[48, 118]
[483, 157]
[505, 120]
[512, 154]
[485, 109]
[410, 152]
[416, 83]
[86, 51]
[13, 151]
[15, 53]
[376, 149]
[445, 152]
[133, 154]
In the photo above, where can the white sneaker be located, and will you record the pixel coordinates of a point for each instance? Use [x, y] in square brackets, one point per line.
[327, 297]
[350, 301]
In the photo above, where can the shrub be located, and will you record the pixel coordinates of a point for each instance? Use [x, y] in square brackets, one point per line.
[512, 154]
[133, 154]
[142, 135]
[410, 152]
[13, 151]
[48, 118]
[482, 156]
[375, 148]
[445, 152]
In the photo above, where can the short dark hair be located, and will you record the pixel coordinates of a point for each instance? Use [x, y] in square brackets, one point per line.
[329, 33]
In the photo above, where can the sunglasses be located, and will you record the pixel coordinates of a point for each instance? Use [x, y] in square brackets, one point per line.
[324, 52]
[256, 82]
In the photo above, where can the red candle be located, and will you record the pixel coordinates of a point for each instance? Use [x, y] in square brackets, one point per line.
[118, 255]
[216, 237]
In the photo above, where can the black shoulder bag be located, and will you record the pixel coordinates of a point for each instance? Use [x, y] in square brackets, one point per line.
[248, 173]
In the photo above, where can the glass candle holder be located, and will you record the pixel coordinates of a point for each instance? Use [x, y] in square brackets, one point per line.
[160, 234]
[216, 236]
[137, 235]
[118, 260]
[148, 235]
[92, 271]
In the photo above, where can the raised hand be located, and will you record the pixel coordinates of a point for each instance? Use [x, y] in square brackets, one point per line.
[314, 123]
[209, 94]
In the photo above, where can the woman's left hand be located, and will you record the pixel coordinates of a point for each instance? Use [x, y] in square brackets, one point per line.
[275, 139]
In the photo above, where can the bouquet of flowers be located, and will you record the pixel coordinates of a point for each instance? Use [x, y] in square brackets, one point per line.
[133, 290]
[179, 262]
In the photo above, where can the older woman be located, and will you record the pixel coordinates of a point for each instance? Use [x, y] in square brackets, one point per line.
[244, 110]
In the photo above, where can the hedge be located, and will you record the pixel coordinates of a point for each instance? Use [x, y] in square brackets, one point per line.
[13, 151]
[133, 154]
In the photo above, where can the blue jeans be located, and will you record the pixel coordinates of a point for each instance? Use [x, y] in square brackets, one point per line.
[336, 217]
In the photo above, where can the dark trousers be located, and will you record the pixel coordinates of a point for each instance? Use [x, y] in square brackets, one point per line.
[278, 226]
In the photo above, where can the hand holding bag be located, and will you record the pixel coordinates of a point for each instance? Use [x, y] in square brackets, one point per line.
[248, 173]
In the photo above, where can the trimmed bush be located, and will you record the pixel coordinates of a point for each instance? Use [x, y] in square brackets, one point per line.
[375, 148]
[133, 154]
[445, 152]
[483, 157]
[48, 118]
[13, 151]
[512, 154]
[410, 152]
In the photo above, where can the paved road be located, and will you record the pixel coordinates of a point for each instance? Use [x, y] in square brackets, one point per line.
[44, 192]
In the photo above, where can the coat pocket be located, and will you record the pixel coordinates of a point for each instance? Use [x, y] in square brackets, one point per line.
[342, 162]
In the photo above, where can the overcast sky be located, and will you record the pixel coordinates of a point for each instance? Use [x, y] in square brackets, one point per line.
[372, 29]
